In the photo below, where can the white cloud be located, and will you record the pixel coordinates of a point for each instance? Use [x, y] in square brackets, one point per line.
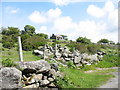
[104, 25]
[95, 11]
[37, 17]
[109, 7]
[12, 10]
[43, 17]
[113, 18]
[54, 13]
[61, 2]
[64, 24]
[43, 28]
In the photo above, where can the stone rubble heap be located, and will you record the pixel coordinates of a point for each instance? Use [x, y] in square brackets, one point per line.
[63, 54]
[35, 74]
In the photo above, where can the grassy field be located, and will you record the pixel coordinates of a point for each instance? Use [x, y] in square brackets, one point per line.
[74, 78]
[14, 55]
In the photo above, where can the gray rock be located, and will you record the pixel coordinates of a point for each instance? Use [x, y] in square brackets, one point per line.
[67, 59]
[36, 85]
[84, 56]
[36, 78]
[92, 58]
[50, 79]
[54, 66]
[57, 55]
[37, 52]
[64, 55]
[44, 83]
[100, 57]
[77, 59]
[34, 66]
[11, 78]
[52, 86]
[76, 53]
[52, 72]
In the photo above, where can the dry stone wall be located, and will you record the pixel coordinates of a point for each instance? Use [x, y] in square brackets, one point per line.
[63, 54]
[35, 74]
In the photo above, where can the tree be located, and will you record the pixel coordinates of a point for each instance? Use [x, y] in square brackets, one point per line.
[29, 29]
[103, 41]
[83, 40]
[7, 41]
[33, 43]
[45, 36]
[10, 31]
[13, 32]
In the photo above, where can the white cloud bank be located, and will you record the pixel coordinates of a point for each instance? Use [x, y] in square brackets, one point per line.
[104, 27]
[12, 10]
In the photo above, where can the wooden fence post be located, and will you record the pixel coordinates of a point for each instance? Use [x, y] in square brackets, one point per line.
[20, 49]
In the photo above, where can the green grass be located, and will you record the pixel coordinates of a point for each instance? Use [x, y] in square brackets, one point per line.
[13, 54]
[78, 79]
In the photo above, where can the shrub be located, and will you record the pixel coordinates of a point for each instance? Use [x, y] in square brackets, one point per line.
[8, 63]
[72, 46]
[7, 42]
[92, 48]
[83, 40]
[81, 47]
[71, 64]
[103, 41]
[33, 43]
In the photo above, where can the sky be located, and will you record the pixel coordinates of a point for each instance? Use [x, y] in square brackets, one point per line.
[74, 18]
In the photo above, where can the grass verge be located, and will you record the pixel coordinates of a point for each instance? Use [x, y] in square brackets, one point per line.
[74, 78]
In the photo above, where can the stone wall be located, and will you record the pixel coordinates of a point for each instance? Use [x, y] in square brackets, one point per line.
[35, 74]
[63, 54]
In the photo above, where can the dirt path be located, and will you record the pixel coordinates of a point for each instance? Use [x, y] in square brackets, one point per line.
[113, 82]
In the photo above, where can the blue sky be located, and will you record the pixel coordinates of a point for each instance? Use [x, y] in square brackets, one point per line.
[94, 20]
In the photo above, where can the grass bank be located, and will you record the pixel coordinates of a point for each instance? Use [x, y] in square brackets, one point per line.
[74, 78]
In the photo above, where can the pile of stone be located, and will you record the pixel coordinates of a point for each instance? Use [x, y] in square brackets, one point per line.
[63, 54]
[35, 74]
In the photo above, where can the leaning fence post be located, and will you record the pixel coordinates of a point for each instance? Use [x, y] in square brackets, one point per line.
[44, 52]
[20, 49]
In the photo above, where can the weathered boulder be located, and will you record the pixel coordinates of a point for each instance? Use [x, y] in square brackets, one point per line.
[36, 78]
[67, 59]
[100, 57]
[92, 58]
[84, 56]
[54, 66]
[76, 53]
[44, 82]
[57, 55]
[50, 79]
[37, 52]
[34, 66]
[77, 59]
[64, 55]
[101, 53]
[11, 78]
[36, 85]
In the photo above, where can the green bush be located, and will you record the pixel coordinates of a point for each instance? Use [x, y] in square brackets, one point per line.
[92, 48]
[72, 45]
[8, 42]
[81, 47]
[33, 43]
[71, 64]
[83, 40]
[109, 60]
[8, 63]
